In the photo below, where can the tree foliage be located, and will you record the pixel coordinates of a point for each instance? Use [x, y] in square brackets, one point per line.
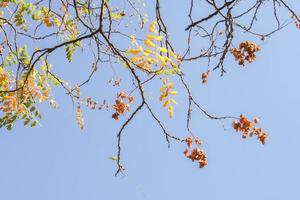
[32, 31]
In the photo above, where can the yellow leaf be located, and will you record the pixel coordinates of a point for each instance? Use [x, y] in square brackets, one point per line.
[134, 51]
[149, 43]
[147, 52]
[154, 37]
[171, 113]
[173, 92]
[162, 97]
[173, 65]
[136, 59]
[163, 50]
[173, 55]
[159, 38]
[162, 60]
[149, 60]
[166, 103]
[173, 101]
[163, 88]
[143, 65]
[170, 85]
[170, 108]
[153, 26]
[151, 37]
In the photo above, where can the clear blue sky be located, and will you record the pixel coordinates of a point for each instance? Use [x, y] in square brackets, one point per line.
[57, 161]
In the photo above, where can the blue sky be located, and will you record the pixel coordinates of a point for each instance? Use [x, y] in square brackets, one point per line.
[58, 161]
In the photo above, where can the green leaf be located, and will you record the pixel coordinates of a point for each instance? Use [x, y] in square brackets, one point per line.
[70, 50]
[9, 127]
[26, 121]
[33, 124]
[32, 109]
[114, 158]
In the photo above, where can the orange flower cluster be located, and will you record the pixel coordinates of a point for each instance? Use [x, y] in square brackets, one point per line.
[3, 4]
[195, 153]
[77, 90]
[297, 23]
[48, 21]
[204, 76]
[245, 52]
[115, 82]
[120, 104]
[248, 128]
[79, 117]
[91, 103]
[53, 103]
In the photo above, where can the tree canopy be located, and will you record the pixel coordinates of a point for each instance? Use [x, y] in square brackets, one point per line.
[131, 36]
